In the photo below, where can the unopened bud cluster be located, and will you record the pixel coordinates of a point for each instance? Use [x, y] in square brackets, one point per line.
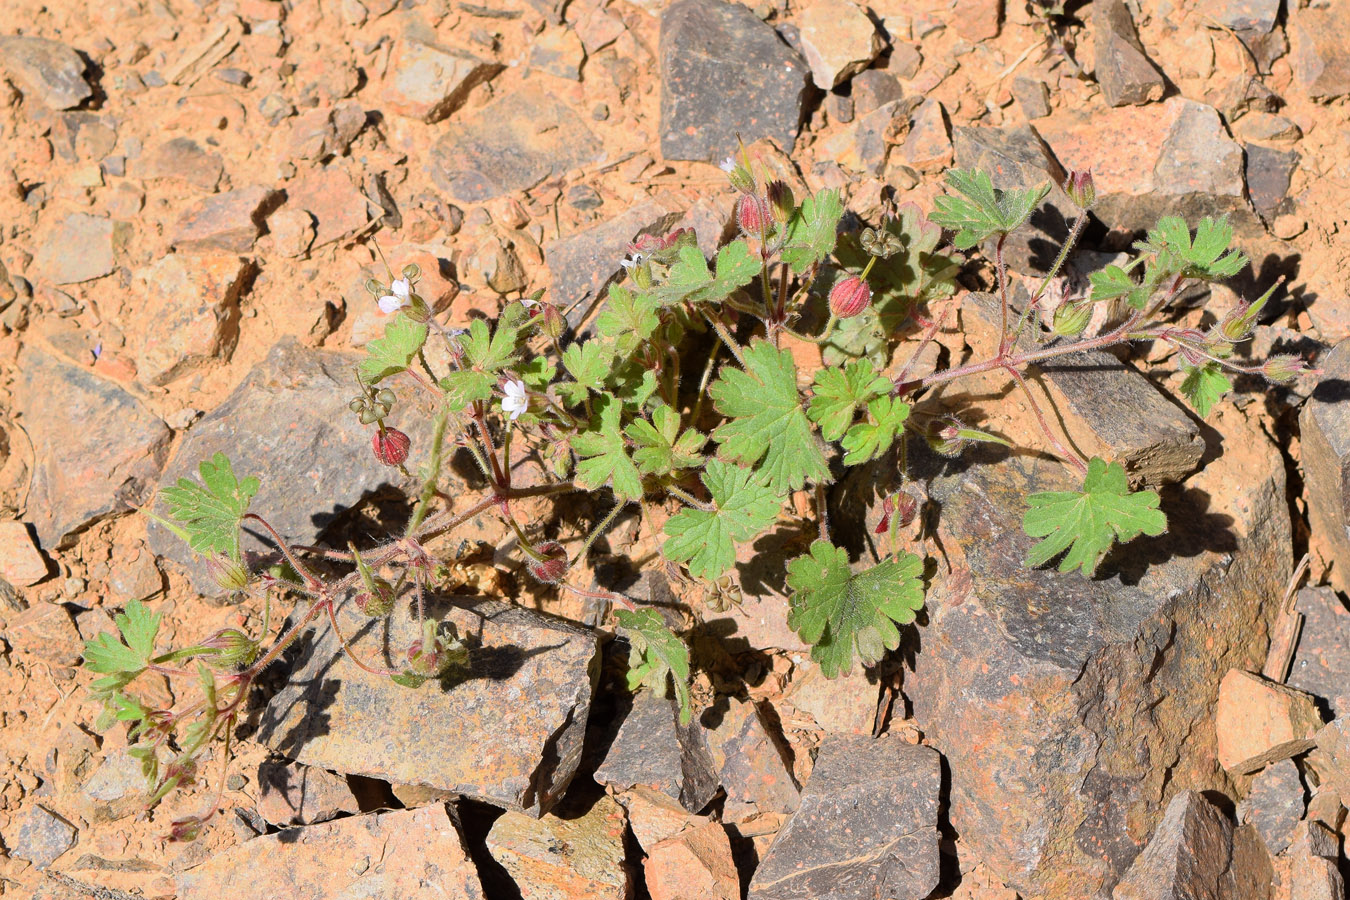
[370, 408]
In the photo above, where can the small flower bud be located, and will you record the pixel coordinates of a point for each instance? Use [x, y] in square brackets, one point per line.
[376, 603]
[234, 648]
[554, 564]
[1081, 190]
[391, 446]
[1283, 369]
[443, 651]
[1071, 318]
[1241, 319]
[753, 215]
[947, 440]
[375, 289]
[229, 574]
[849, 297]
[551, 321]
[738, 175]
[188, 829]
[781, 200]
[411, 272]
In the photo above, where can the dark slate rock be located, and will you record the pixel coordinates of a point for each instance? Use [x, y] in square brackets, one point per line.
[866, 828]
[1187, 856]
[288, 424]
[1325, 425]
[45, 71]
[873, 89]
[750, 761]
[724, 72]
[1275, 804]
[43, 836]
[1321, 663]
[1269, 172]
[1033, 95]
[653, 749]
[1125, 73]
[1110, 410]
[1241, 15]
[511, 144]
[1056, 698]
[1017, 158]
[508, 731]
[1321, 65]
[97, 450]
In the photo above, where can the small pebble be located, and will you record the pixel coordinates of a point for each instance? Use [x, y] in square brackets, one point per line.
[232, 76]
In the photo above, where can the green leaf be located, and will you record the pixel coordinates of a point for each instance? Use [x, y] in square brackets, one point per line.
[705, 540]
[106, 654]
[537, 374]
[1204, 386]
[629, 319]
[1088, 522]
[767, 421]
[210, 512]
[840, 613]
[657, 653]
[603, 458]
[690, 281]
[1206, 257]
[588, 363]
[868, 440]
[812, 231]
[467, 386]
[392, 353]
[836, 394]
[660, 447]
[982, 210]
[491, 352]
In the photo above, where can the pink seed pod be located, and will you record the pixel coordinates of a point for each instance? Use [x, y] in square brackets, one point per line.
[849, 297]
[391, 446]
[753, 215]
[553, 566]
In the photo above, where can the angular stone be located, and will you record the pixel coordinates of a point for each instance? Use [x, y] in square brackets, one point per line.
[429, 82]
[47, 71]
[1172, 159]
[558, 52]
[864, 145]
[1250, 872]
[977, 20]
[928, 146]
[508, 732]
[21, 564]
[1331, 758]
[226, 222]
[1320, 63]
[301, 795]
[512, 143]
[598, 28]
[654, 750]
[555, 858]
[1109, 409]
[1259, 722]
[843, 705]
[1274, 805]
[1188, 855]
[98, 451]
[46, 631]
[873, 89]
[187, 313]
[1126, 74]
[292, 231]
[867, 826]
[1325, 427]
[42, 837]
[334, 200]
[1321, 665]
[838, 41]
[1315, 878]
[411, 854]
[583, 263]
[723, 73]
[82, 248]
[183, 159]
[1269, 172]
[115, 790]
[750, 764]
[1033, 95]
[1034, 683]
[1241, 15]
[695, 864]
[654, 817]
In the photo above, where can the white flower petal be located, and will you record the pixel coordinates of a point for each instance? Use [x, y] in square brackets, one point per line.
[529, 303]
[400, 288]
[728, 164]
[389, 304]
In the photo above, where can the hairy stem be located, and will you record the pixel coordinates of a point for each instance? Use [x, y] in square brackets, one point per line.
[1065, 453]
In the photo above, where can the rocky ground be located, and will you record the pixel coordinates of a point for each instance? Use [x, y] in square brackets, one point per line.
[192, 198]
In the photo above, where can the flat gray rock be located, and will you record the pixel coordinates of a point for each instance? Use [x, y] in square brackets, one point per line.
[654, 750]
[508, 732]
[46, 71]
[1126, 74]
[1321, 664]
[866, 828]
[724, 72]
[1325, 426]
[42, 837]
[1187, 856]
[1275, 804]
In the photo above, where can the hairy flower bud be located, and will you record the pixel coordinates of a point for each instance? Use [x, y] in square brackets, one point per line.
[947, 440]
[228, 574]
[554, 564]
[188, 829]
[849, 297]
[738, 175]
[1284, 368]
[234, 648]
[378, 602]
[1241, 319]
[781, 200]
[1071, 318]
[442, 651]
[1080, 189]
[753, 215]
[551, 321]
[391, 446]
